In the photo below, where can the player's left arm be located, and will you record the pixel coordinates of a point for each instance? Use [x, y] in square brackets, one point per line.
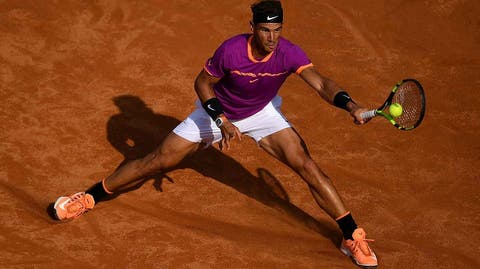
[328, 90]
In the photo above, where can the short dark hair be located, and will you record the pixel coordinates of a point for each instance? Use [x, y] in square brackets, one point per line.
[266, 7]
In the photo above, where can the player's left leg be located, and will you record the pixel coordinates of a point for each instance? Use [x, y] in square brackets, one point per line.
[287, 146]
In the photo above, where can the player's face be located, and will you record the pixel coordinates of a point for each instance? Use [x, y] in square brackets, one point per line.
[266, 36]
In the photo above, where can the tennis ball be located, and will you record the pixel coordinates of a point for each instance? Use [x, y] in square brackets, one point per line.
[395, 110]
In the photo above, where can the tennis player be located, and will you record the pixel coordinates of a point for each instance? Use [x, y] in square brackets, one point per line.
[237, 95]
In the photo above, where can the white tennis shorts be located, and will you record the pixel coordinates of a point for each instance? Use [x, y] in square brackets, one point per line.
[198, 127]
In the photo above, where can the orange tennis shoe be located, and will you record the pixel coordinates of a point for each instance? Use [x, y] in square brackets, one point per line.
[73, 206]
[359, 250]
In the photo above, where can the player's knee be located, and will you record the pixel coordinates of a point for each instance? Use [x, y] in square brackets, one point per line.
[301, 162]
[309, 166]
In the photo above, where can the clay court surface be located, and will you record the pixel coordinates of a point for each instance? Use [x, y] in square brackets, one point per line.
[86, 85]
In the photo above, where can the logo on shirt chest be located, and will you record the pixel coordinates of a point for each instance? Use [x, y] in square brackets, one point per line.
[254, 77]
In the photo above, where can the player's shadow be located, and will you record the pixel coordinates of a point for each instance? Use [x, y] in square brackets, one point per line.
[137, 130]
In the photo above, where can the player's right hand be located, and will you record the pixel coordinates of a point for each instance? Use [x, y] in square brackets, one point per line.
[356, 112]
[229, 132]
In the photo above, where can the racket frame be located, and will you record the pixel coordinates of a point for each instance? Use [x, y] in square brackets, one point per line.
[380, 111]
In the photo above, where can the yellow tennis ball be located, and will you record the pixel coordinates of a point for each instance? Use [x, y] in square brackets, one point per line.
[395, 110]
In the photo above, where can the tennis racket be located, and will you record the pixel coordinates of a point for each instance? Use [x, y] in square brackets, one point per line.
[409, 94]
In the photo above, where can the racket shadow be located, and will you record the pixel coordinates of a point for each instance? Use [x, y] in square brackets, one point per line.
[137, 130]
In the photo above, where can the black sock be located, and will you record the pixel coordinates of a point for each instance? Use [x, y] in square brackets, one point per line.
[98, 192]
[347, 225]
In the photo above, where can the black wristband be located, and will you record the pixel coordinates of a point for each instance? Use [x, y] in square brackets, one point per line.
[213, 108]
[341, 100]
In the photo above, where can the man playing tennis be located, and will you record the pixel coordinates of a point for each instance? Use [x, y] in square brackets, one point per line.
[237, 91]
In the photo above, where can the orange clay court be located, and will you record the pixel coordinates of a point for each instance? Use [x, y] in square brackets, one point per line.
[85, 85]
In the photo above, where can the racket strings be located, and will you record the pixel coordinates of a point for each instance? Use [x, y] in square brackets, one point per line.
[410, 97]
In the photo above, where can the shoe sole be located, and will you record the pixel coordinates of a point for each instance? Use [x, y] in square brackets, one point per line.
[349, 254]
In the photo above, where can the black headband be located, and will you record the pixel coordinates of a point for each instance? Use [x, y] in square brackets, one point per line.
[274, 17]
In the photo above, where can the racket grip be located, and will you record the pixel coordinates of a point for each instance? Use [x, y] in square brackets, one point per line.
[368, 114]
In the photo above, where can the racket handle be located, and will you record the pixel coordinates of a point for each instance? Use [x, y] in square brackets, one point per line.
[368, 114]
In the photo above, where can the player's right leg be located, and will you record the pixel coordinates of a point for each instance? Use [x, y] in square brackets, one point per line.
[185, 139]
[172, 150]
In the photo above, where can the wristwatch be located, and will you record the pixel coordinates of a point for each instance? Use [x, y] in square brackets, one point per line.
[219, 121]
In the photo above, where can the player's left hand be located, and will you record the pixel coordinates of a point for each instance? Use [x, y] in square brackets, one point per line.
[229, 131]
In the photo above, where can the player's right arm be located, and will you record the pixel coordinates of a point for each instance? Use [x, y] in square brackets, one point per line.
[204, 87]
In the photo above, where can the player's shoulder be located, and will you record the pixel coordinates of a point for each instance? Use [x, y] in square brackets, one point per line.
[285, 44]
[289, 50]
[236, 41]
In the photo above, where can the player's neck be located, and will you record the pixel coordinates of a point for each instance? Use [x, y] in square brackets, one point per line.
[257, 51]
